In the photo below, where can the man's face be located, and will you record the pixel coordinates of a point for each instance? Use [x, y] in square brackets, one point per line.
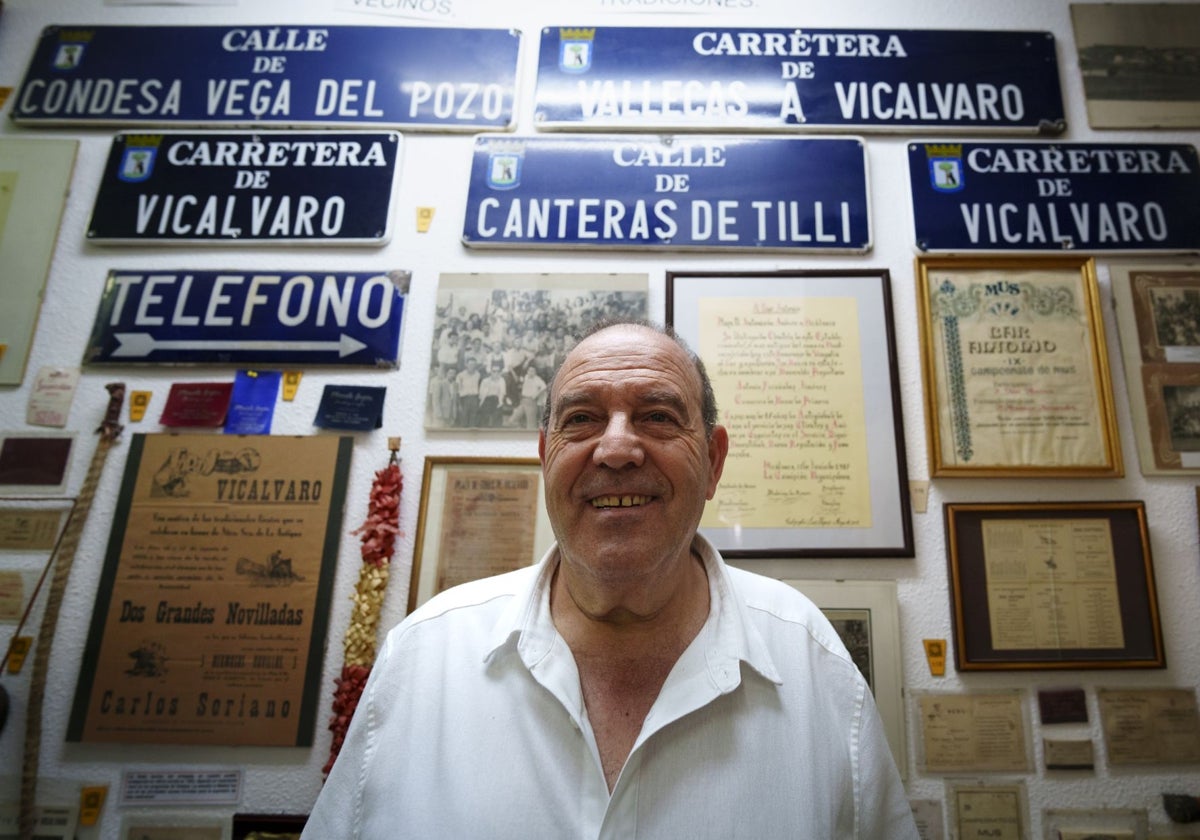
[626, 461]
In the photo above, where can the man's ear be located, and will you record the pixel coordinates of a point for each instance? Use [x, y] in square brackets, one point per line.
[718, 448]
[542, 446]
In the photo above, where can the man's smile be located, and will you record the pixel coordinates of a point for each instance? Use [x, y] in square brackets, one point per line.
[620, 501]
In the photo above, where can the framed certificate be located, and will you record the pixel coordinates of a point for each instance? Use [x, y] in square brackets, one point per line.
[803, 365]
[478, 517]
[1158, 320]
[1015, 368]
[1052, 586]
[992, 809]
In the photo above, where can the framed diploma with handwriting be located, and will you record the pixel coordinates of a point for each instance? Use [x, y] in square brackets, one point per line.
[1052, 586]
[1015, 368]
[803, 365]
[478, 517]
[1158, 320]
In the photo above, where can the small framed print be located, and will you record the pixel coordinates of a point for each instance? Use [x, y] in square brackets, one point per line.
[1052, 586]
[1015, 368]
[268, 826]
[1095, 824]
[478, 517]
[1158, 321]
[866, 617]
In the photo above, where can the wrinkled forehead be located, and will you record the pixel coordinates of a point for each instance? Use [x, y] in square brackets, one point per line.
[629, 355]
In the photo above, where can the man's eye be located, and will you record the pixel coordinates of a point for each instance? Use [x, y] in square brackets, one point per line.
[659, 417]
[575, 419]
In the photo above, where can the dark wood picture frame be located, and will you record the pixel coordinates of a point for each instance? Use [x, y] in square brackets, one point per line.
[1130, 591]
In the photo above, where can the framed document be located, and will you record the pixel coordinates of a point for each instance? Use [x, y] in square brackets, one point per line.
[169, 826]
[1015, 368]
[213, 603]
[803, 365]
[35, 175]
[1052, 586]
[866, 617]
[1158, 320]
[478, 517]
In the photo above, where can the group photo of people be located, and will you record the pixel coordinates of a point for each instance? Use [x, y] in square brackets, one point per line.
[498, 339]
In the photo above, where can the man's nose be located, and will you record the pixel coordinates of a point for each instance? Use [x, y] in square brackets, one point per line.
[619, 445]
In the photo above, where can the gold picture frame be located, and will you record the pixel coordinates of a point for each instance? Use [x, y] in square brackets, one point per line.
[1015, 368]
[479, 516]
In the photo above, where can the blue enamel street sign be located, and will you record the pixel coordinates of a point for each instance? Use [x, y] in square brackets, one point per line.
[296, 76]
[249, 318]
[683, 193]
[327, 187]
[641, 78]
[1055, 196]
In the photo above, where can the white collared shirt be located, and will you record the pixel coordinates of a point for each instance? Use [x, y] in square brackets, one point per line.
[473, 725]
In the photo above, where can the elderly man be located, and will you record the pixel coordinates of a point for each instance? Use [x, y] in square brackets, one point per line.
[631, 684]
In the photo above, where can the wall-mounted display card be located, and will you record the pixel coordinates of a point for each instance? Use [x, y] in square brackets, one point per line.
[252, 404]
[34, 177]
[927, 814]
[271, 76]
[1062, 705]
[196, 404]
[678, 193]
[1015, 368]
[327, 188]
[499, 338]
[51, 396]
[28, 529]
[213, 604]
[803, 367]
[1052, 585]
[973, 733]
[249, 317]
[1140, 63]
[478, 517]
[1149, 726]
[1115, 197]
[352, 408]
[1158, 320]
[641, 78]
[1068, 754]
[979, 810]
[34, 463]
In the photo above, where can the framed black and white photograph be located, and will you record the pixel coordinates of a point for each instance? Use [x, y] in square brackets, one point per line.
[498, 338]
[1140, 63]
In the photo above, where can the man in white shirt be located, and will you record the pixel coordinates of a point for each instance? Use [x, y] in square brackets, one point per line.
[631, 685]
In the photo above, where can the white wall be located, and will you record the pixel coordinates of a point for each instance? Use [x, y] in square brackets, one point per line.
[434, 173]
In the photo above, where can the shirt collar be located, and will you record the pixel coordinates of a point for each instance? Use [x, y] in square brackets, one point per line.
[728, 636]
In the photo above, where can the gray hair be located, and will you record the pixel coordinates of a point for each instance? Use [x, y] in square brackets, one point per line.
[708, 400]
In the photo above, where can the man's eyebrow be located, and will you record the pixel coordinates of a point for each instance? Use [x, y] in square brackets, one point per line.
[668, 399]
